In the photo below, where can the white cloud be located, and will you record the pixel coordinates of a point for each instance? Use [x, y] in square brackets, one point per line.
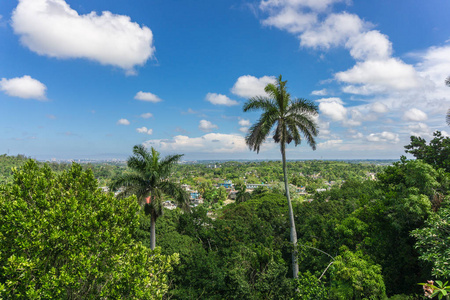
[207, 126]
[291, 20]
[147, 115]
[123, 122]
[420, 129]
[218, 99]
[370, 45]
[379, 107]
[244, 122]
[435, 64]
[23, 87]
[329, 144]
[321, 92]
[384, 136]
[248, 86]
[334, 31]
[380, 76]
[144, 130]
[243, 129]
[208, 143]
[148, 97]
[415, 114]
[357, 135]
[333, 108]
[53, 28]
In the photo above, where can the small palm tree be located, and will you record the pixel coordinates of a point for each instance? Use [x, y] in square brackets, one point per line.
[290, 118]
[242, 195]
[149, 181]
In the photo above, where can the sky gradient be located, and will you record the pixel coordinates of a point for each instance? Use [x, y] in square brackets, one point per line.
[90, 79]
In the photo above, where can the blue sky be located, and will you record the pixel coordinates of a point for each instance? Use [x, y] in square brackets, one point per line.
[90, 79]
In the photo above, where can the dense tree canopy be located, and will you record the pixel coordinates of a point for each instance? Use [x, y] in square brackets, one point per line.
[63, 238]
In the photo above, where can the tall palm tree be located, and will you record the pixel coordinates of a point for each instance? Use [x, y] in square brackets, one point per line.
[290, 119]
[148, 179]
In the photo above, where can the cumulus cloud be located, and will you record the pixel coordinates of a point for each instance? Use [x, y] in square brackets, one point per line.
[420, 129]
[291, 20]
[144, 130]
[379, 107]
[244, 122]
[333, 108]
[208, 143]
[321, 92]
[219, 99]
[248, 86]
[148, 97]
[207, 126]
[123, 122]
[384, 136]
[334, 31]
[377, 76]
[243, 129]
[370, 45]
[147, 115]
[23, 87]
[415, 115]
[53, 28]
[357, 135]
[435, 64]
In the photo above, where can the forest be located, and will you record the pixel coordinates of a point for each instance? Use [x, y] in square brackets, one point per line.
[62, 237]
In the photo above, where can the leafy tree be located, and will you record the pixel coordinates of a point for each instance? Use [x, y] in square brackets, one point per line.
[437, 153]
[354, 277]
[433, 242]
[150, 178]
[63, 238]
[291, 117]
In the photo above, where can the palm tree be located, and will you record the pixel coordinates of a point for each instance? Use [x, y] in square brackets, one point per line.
[242, 195]
[291, 118]
[148, 179]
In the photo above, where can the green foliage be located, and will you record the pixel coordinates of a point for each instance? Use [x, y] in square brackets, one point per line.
[149, 179]
[436, 153]
[63, 238]
[353, 277]
[310, 288]
[439, 289]
[433, 242]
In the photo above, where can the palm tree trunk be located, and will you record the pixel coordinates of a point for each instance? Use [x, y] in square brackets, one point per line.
[153, 231]
[291, 215]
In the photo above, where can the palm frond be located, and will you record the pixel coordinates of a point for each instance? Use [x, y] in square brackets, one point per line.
[175, 191]
[293, 131]
[257, 103]
[293, 117]
[303, 106]
[167, 163]
[259, 131]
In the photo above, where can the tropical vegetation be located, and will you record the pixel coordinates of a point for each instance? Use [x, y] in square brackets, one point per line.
[149, 179]
[292, 119]
[63, 238]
